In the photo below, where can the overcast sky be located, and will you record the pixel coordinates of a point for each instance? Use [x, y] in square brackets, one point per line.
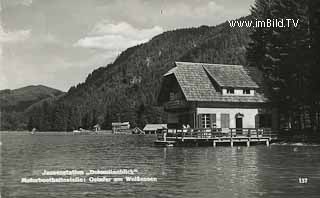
[57, 43]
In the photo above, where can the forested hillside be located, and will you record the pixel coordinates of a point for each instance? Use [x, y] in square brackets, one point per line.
[127, 89]
[13, 104]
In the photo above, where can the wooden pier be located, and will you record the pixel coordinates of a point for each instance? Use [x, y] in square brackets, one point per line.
[215, 137]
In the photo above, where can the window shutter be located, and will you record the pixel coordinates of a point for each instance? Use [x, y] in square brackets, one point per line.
[257, 120]
[225, 120]
[213, 120]
[228, 121]
[199, 121]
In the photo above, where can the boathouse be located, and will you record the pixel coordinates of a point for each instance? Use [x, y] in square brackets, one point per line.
[153, 128]
[221, 96]
[97, 128]
[120, 127]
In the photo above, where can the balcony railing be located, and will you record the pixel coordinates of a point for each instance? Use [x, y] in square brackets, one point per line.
[219, 133]
[175, 104]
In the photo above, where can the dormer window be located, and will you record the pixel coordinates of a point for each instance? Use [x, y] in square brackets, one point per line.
[230, 90]
[246, 91]
[238, 91]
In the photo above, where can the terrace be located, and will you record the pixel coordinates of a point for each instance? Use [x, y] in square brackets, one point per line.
[215, 136]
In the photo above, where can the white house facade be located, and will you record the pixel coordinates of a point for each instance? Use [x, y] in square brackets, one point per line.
[216, 96]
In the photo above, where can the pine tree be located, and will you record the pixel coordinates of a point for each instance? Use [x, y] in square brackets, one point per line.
[283, 55]
[259, 38]
[314, 16]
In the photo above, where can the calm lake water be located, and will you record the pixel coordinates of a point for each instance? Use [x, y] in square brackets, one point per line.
[257, 171]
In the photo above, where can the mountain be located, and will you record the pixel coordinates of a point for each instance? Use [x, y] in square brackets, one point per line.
[127, 89]
[13, 103]
[22, 98]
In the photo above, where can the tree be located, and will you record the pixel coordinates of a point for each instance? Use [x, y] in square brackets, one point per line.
[284, 54]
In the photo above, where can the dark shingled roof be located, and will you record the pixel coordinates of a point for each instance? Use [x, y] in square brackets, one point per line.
[230, 76]
[197, 82]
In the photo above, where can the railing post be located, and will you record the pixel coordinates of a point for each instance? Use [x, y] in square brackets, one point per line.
[231, 141]
[270, 133]
[182, 135]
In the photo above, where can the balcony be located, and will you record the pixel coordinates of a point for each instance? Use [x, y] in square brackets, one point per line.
[175, 105]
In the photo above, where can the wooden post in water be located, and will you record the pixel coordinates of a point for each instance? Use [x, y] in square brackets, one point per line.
[214, 143]
[248, 143]
[267, 142]
[165, 136]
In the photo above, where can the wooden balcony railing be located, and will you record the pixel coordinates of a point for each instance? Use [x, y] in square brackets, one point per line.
[219, 133]
[175, 104]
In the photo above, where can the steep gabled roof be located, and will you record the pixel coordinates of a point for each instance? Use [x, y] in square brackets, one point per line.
[197, 82]
[194, 82]
[230, 76]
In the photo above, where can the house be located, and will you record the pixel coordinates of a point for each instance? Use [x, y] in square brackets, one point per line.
[216, 96]
[152, 128]
[121, 127]
[96, 127]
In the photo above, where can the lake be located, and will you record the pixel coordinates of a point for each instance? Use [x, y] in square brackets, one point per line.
[256, 171]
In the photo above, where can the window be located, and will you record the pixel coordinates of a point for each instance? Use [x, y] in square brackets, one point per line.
[246, 91]
[225, 120]
[175, 96]
[230, 90]
[205, 120]
[172, 96]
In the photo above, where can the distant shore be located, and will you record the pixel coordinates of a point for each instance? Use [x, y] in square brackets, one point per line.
[299, 137]
[284, 137]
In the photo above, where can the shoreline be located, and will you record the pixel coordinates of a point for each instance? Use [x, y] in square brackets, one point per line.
[284, 138]
[299, 137]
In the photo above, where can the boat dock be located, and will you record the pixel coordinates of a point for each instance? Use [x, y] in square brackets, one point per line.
[215, 137]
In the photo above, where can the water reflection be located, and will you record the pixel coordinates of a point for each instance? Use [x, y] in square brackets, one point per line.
[221, 171]
[280, 168]
[256, 171]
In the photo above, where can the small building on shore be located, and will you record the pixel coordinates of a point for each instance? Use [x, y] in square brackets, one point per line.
[216, 96]
[97, 128]
[120, 127]
[152, 128]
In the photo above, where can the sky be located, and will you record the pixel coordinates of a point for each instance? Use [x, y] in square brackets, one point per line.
[57, 43]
